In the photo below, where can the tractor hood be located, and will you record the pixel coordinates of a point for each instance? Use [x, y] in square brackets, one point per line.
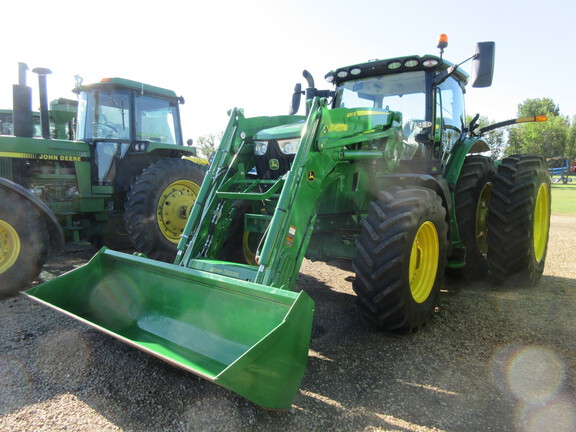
[293, 130]
[342, 123]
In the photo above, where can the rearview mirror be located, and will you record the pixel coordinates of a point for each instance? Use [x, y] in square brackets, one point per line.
[295, 105]
[483, 64]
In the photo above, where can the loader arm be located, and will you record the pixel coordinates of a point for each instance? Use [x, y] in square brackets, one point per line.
[335, 146]
[290, 225]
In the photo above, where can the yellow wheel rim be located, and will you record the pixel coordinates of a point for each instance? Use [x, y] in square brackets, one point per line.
[174, 208]
[424, 262]
[481, 217]
[248, 247]
[9, 246]
[541, 222]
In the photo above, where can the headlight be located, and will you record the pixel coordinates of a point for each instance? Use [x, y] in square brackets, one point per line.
[139, 147]
[289, 146]
[260, 147]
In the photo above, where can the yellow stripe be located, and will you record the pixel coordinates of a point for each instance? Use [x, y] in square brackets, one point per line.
[367, 112]
[18, 155]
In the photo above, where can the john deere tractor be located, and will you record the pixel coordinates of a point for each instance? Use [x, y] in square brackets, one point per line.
[382, 170]
[125, 182]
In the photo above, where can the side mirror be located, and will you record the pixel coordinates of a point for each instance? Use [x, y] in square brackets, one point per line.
[295, 105]
[483, 64]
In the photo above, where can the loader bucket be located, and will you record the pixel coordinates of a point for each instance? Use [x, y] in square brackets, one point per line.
[247, 337]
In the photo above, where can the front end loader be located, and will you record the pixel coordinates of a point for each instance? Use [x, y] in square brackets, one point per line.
[381, 171]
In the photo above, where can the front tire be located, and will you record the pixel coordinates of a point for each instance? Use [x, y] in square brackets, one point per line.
[158, 205]
[23, 243]
[519, 220]
[401, 258]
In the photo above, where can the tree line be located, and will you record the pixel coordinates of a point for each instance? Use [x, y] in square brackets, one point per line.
[554, 138]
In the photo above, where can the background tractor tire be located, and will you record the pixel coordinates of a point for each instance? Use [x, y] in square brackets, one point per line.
[472, 196]
[519, 220]
[158, 205]
[401, 258]
[24, 243]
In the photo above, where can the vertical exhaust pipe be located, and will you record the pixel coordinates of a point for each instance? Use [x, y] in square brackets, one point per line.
[43, 90]
[22, 105]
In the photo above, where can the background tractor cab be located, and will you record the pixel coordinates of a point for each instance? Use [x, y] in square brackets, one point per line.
[122, 118]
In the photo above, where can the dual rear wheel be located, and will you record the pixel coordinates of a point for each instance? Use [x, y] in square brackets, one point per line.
[503, 221]
[519, 220]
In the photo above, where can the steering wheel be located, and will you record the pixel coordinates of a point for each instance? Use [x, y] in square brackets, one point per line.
[450, 127]
[105, 129]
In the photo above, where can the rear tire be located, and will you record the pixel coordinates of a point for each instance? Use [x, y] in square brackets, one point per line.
[158, 205]
[23, 243]
[519, 220]
[472, 196]
[401, 258]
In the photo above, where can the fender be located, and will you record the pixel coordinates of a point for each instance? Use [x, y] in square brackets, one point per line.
[459, 152]
[54, 228]
[436, 183]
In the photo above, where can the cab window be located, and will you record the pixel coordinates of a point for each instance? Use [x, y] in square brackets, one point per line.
[450, 118]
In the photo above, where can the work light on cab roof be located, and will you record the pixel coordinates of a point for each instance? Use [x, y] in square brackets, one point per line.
[442, 43]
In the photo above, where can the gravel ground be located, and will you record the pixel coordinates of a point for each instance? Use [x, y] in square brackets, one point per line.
[491, 359]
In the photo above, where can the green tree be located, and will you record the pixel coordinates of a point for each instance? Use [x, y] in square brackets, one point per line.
[570, 151]
[548, 138]
[538, 106]
[208, 144]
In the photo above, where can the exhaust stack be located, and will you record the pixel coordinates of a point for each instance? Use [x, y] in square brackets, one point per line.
[22, 105]
[42, 88]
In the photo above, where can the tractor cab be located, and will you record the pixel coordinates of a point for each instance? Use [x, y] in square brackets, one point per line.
[121, 118]
[421, 96]
[429, 104]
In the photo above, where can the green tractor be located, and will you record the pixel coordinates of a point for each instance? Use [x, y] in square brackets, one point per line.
[125, 182]
[382, 171]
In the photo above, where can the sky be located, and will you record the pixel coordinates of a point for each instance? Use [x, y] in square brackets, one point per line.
[249, 54]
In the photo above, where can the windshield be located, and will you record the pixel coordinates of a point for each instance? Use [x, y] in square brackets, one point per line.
[107, 115]
[405, 92]
[402, 92]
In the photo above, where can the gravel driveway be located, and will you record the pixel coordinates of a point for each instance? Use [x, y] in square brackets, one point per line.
[491, 359]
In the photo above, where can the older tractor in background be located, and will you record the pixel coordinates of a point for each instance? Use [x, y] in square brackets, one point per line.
[382, 171]
[125, 182]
